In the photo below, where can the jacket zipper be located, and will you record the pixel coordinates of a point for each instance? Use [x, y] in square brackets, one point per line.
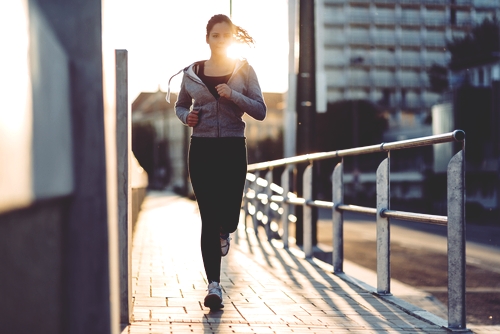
[218, 125]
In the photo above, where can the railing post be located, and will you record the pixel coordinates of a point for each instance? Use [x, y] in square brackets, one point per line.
[338, 218]
[268, 211]
[246, 202]
[124, 150]
[456, 242]
[307, 181]
[285, 184]
[383, 228]
[255, 203]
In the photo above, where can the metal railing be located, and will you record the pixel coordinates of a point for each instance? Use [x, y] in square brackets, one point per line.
[262, 197]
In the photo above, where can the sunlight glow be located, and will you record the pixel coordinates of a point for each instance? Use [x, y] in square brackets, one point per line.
[16, 112]
[237, 51]
[262, 182]
[160, 41]
[260, 215]
[276, 188]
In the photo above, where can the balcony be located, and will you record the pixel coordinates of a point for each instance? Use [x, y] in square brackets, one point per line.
[335, 39]
[411, 83]
[435, 42]
[335, 19]
[486, 4]
[360, 39]
[383, 82]
[359, 18]
[384, 61]
[410, 41]
[384, 40]
[359, 81]
[384, 19]
[410, 62]
[410, 20]
[465, 2]
[435, 21]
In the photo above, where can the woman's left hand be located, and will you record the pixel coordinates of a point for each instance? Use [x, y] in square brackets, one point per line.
[224, 90]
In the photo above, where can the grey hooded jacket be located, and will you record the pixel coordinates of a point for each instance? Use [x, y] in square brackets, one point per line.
[221, 117]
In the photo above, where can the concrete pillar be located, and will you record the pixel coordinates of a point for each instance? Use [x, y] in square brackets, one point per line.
[89, 233]
[123, 150]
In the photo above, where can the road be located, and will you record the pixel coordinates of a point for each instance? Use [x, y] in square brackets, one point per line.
[482, 247]
[418, 258]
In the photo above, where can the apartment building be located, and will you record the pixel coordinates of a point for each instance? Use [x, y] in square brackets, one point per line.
[380, 50]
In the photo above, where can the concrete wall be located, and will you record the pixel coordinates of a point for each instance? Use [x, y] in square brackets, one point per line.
[31, 253]
[58, 207]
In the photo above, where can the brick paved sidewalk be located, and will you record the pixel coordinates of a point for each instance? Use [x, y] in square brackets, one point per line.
[265, 288]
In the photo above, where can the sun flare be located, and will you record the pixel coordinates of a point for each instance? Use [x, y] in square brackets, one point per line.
[237, 51]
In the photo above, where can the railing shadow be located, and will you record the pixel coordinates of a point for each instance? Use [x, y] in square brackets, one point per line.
[325, 285]
[260, 201]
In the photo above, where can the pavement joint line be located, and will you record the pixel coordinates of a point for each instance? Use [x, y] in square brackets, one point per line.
[267, 289]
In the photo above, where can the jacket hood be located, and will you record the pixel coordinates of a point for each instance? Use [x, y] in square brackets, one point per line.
[189, 71]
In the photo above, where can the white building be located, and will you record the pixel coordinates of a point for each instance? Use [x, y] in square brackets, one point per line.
[380, 50]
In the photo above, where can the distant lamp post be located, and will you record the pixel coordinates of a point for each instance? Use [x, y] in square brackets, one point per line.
[231, 9]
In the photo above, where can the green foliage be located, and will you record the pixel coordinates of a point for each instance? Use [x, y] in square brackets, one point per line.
[143, 141]
[336, 127]
[480, 46]
[265, 149]
[438, 78]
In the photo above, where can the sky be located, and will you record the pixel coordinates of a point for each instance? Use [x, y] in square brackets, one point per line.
[164, 36]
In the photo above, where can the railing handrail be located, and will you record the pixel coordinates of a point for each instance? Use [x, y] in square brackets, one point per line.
[457, 135]
[260, 201]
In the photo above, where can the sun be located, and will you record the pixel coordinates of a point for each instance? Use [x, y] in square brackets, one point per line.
[237, 51]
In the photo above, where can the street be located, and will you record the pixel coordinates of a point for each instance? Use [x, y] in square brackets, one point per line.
[418, 259]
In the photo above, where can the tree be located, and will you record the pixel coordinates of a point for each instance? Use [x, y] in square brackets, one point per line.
[438, 78]
[480, 46]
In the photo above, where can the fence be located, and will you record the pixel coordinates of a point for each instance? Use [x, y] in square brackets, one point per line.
[262, 197]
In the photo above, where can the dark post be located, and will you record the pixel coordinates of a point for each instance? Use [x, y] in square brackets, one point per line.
[306, 101]
[495, 124]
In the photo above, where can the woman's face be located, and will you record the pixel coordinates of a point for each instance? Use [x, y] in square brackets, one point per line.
[220, 38]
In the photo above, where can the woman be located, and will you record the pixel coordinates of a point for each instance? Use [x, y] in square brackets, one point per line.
[214, 95]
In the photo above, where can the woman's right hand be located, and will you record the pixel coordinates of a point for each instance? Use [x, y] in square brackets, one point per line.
[192, 118]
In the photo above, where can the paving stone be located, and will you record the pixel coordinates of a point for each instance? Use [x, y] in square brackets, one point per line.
[266, 289]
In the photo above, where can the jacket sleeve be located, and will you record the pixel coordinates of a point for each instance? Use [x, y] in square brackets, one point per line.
[184, 102]
[252, 103]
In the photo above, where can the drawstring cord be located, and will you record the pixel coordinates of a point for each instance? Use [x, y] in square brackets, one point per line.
[168, 89]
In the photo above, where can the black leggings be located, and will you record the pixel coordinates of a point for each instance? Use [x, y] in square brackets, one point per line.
[217, 167]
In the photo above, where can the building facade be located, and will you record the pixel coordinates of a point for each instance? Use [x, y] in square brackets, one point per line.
[160, 141]
[381, 50]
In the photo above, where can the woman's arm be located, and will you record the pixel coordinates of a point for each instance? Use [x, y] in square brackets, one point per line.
[183, 104]
[252, 103]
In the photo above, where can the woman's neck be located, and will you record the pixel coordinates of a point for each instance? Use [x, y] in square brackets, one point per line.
[219, 65]
[219, 60]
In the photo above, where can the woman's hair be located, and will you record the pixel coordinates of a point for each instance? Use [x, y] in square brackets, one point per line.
[240, 34]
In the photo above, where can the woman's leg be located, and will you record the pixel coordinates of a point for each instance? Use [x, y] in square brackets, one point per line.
[234, 172]
[202, 170]
[217, 168]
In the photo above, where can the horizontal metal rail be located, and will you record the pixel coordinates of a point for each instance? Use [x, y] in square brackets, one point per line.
[457, 135]
[415, 217]
[262, 196]
[408, 216]
[359, 209]
[403, 215]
